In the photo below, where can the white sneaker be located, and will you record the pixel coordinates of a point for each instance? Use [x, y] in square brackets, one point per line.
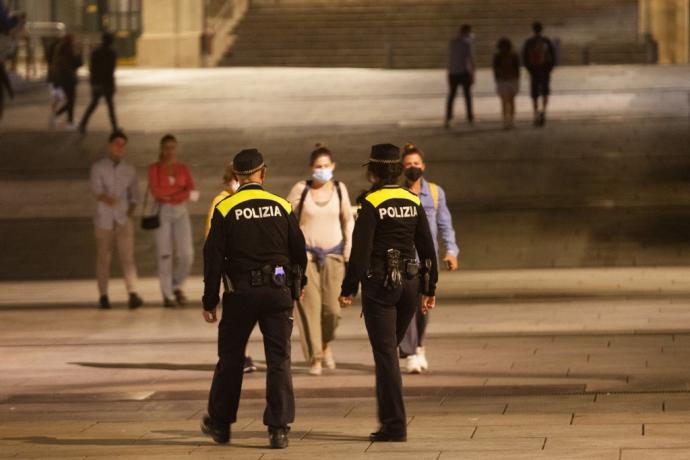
[316, 368]
[328, 360]
[421, 359]
[413, 366]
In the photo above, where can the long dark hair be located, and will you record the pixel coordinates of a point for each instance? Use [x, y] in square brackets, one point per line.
[384, 173]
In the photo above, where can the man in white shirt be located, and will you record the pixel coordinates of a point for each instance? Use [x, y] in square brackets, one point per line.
[115, 187]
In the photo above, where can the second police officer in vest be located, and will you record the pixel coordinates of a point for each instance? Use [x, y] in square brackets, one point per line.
[390, 226]
[256, 242]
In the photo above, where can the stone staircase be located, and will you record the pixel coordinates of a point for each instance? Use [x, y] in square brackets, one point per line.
[414, 34]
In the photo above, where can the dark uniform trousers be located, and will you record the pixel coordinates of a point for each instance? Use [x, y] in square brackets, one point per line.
[271, 307]
[387, 315]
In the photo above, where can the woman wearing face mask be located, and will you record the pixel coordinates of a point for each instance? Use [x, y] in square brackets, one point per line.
[323, 207]
[171, 185]
[433, 200]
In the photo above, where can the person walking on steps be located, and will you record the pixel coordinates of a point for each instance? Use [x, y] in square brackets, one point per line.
[64, 65]
[506, 69]
[390, 231]
[5, 84]
[433, 200]
[461, 69]
[322, 205]
[539, 57]
[102, 77]
[255, 243]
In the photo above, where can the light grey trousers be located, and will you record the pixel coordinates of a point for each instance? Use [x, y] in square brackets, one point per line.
[174, 248]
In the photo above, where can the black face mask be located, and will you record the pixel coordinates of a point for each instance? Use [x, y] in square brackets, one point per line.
[413, 173]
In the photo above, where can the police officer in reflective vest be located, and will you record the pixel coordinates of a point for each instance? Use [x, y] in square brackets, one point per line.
[390, 226]
[255, 245]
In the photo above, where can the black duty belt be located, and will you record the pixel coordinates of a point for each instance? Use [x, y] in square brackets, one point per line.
[272, 275]
[393, 269]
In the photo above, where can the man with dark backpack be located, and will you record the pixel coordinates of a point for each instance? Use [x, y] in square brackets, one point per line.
[539, 58]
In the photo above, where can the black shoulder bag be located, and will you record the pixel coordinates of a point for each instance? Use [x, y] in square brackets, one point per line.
[152, 221]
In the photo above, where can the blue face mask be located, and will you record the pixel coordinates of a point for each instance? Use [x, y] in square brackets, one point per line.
[323, 175]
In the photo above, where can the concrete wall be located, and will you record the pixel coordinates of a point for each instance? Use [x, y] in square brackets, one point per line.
[668, 21]
[171, 33]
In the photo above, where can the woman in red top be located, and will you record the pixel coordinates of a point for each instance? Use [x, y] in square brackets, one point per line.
[171, 185]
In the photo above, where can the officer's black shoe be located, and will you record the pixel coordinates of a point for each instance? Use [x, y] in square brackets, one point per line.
[104, 302]
[219, 435]
[135, 301]
[278, 437]
[180, 298]
[168, 303]
[382, 436]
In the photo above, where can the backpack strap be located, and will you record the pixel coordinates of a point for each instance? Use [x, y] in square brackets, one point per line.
[302, 198]
[306, 190]
[433, 188]
[340, 194]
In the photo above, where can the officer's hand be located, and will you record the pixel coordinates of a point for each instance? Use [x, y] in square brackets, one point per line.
[210, 316]
[301, 295]
[451, 262]
[345, 301]
[428, 303]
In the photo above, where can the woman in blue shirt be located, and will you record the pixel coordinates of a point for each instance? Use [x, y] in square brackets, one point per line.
[433, 200]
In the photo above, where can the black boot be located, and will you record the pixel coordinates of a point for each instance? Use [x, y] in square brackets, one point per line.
[278, 437]
[383, 436]
[219, 435]
[104, 302]
[135, 301]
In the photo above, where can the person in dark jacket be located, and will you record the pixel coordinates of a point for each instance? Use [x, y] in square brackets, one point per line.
[507, 74]
[4, 84]
[64, 73]
[102, 69]
[539, 57]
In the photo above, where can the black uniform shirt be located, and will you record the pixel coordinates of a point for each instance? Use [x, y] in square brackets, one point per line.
[389, 218]
[250, 229]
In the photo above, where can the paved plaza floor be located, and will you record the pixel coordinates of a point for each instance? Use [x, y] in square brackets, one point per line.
[566, 334]
[552, 364]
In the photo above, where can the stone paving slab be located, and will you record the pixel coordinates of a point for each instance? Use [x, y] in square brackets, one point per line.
[655, 454]
[550, 454]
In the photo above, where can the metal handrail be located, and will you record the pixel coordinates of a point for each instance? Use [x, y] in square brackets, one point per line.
[46, 29]
[219, 28]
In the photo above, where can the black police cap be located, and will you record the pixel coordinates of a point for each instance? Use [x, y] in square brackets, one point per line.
[247, 162]
[384, 153]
